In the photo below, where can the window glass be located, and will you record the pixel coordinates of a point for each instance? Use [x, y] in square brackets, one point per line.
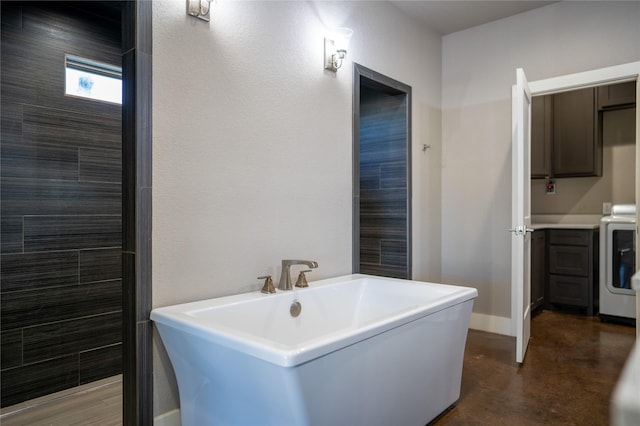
[93, 80]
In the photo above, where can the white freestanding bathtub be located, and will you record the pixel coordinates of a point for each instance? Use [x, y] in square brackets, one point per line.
[364, 350]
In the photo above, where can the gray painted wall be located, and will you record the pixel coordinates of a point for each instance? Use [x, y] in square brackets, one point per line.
[478, 71]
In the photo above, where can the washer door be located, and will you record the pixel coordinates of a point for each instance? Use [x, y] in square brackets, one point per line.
[621, 257]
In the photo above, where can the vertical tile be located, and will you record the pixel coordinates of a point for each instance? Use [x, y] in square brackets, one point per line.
[144, 22]
[143, 254]
[130, 371]
[136, 213]
[128, 26]
[129, 159]
[145, 372]
[143, 119]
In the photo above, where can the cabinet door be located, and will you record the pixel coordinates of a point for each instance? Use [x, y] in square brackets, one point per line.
[538, 269]
[570, 237]
[541, 134]
[621, 95]
[575, 146]
[569, 290]
[569, 260]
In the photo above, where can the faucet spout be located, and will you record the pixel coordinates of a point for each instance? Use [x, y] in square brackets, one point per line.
[285, 274]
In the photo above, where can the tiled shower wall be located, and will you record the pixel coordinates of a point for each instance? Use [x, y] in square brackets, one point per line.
[61, 235]
[383, 184]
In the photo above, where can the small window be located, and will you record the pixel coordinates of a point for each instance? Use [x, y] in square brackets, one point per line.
[93, 80]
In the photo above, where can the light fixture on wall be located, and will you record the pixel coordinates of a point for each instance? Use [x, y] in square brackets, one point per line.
[200, 9]
[335, 48]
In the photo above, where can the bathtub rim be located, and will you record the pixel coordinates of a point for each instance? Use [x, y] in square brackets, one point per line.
[177, 317]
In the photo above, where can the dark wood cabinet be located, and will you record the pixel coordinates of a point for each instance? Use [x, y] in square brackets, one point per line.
[538, 269]
[577, 150]
[541, 135]
[617, 96]
[568, 290]
[565, 138]
[573, 268]
[569, 260]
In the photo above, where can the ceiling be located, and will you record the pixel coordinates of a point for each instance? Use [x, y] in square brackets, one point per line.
[449, 16]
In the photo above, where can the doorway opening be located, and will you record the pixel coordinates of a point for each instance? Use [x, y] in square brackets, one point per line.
[61, 198]
[592, 172]
[381, 175]
[42, 151]
[611, 75]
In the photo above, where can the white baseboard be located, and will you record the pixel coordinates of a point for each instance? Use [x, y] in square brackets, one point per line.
[170, 418]
[491, 324]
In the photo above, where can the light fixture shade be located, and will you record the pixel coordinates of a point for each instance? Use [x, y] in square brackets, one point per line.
[341, 38]
[335, 48]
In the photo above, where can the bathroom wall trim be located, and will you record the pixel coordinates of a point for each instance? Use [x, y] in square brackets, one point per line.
[491, 324]
[137, 386]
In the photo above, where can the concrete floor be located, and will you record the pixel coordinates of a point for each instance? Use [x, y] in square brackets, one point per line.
[567, 378]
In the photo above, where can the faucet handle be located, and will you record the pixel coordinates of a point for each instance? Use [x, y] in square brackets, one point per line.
[268, 285]
[302, 279]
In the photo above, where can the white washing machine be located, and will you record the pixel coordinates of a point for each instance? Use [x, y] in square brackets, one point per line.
[618, 263]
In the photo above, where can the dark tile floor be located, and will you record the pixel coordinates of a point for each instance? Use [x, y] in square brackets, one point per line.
[567, 378]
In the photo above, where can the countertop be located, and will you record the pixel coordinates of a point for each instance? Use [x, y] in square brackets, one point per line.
[554, 221]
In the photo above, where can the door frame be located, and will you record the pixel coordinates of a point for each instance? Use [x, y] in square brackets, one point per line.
[137, 336]
[607, 75]
[389, 85]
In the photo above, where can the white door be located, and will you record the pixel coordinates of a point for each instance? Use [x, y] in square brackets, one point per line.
[521, 214]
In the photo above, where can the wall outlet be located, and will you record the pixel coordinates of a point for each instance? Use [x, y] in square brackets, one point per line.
[551, 187]
[606, 208]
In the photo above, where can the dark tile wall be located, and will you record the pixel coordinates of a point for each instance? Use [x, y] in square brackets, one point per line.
[61, 203]
[383, 184]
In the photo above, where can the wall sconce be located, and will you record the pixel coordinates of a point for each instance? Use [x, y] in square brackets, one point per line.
[335, 48]
[199, 9]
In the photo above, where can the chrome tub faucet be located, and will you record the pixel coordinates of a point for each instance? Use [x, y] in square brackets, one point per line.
[285, 275]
